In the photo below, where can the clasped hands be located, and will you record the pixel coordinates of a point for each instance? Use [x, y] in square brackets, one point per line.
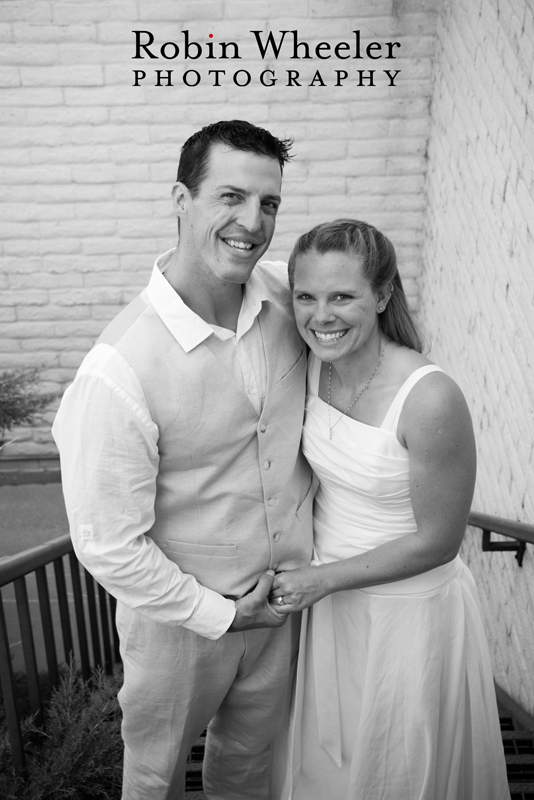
[298, 588]
[260, 608]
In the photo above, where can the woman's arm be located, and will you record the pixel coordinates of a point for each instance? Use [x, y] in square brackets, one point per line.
[435, 426]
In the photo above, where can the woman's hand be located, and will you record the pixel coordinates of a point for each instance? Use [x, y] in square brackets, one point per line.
[299, 588]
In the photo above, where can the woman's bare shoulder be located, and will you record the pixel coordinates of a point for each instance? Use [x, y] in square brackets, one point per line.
[435, 405]
[435, 402]
[403, 361]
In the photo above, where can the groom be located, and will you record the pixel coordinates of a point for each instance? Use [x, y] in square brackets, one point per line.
[184, 483]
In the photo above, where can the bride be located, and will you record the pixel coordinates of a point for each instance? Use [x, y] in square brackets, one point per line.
[394, 696]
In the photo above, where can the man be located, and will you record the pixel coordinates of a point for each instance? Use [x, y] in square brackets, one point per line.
[184, 485]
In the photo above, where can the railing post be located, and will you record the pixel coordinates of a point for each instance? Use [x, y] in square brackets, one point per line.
[63, 602]
[93, 619]
[28, 647]
[48, 625]
[80, 615]
[9, 691]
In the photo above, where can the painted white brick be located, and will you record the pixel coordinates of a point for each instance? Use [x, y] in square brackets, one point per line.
[193, 10]
[278, 9]
[478, 288]
[21, 54]
[107, 153]
[72, 13]
[98, 54]
[14, 116]
[67, 116]
[9, 76]
[6, 32]
[59, 76]
[23, 32]
[32, 97]
[35, 12]
[349, 8]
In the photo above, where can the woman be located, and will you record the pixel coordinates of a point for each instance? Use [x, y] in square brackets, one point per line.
[394, 697]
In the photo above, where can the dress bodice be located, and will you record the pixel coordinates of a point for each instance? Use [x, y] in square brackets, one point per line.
[363, 499]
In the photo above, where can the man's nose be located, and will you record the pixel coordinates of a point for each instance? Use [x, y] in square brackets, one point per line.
[250, 216]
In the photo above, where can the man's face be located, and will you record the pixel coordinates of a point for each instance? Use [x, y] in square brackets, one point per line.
[227, 227]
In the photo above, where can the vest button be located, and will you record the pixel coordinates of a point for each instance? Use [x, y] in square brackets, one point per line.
[277, 536]
[266, 465]
[263, 428]
[275, 566]
[271, 501]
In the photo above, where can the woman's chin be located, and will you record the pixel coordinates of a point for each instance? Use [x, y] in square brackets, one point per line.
[325, 352]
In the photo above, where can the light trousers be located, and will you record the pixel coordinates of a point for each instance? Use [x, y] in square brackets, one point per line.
[177, 683]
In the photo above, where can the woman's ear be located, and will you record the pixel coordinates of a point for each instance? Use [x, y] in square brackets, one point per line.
[382, 297]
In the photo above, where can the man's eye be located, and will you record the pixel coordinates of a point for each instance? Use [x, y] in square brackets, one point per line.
[270, 207]
[302, 297]
[230, 197]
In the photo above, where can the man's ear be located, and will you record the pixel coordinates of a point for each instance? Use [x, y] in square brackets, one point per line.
[181, 197]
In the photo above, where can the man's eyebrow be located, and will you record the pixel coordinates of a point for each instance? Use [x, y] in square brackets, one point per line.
[238, 189]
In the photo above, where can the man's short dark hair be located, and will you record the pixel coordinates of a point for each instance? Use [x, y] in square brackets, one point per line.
[236, 133]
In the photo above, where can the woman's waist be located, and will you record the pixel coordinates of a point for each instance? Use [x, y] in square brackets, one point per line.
[343, 535]
[332, 549]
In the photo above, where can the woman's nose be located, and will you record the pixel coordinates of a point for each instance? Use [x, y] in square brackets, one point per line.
[324, 313]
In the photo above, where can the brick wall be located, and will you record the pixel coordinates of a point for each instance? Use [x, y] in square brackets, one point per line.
[87, 159]
[478, 287]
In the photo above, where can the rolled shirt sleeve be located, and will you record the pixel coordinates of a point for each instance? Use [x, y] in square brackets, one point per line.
[108, 446]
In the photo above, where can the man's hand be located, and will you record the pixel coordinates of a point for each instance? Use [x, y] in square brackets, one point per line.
[254, 610]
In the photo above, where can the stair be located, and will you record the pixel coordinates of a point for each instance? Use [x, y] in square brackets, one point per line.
[519, 754]
[518, 751]
[193, 775]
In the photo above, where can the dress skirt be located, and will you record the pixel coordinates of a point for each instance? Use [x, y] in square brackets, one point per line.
[394, 696]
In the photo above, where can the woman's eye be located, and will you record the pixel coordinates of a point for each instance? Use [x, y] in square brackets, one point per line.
[303, 297]
[343, 297]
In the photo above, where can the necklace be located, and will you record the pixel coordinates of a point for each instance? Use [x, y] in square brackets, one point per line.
[357, 396]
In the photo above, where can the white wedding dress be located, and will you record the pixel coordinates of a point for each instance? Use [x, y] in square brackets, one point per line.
[394, 696]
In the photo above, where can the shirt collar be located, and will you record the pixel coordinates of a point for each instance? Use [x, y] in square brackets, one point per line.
[188, 328]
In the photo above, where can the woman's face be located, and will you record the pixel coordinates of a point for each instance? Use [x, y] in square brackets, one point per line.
[335, 305]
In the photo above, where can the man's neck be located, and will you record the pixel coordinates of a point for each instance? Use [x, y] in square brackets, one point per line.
[215, 302]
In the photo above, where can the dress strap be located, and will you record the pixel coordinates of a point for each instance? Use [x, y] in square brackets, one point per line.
[391, 419]
[314, 374]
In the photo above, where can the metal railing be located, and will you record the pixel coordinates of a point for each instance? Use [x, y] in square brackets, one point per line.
[522, 532]
[92, 609]
[84, 606]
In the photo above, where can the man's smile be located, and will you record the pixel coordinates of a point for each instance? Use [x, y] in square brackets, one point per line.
[239, 245]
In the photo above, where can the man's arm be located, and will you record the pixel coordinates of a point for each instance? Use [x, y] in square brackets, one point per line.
[109, 463]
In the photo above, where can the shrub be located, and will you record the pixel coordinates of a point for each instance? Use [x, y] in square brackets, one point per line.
[79, 754]
[20, 399]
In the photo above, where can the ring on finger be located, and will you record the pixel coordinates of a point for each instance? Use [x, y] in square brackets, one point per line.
[280, 601]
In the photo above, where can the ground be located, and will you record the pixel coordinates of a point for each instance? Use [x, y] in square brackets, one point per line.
[31, 514]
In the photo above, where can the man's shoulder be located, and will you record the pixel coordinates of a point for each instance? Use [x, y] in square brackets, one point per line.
[275, 272]
[126, 321]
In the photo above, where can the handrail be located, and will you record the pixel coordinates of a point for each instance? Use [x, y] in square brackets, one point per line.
[521, 531]
[14, 567]
[88, 606]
